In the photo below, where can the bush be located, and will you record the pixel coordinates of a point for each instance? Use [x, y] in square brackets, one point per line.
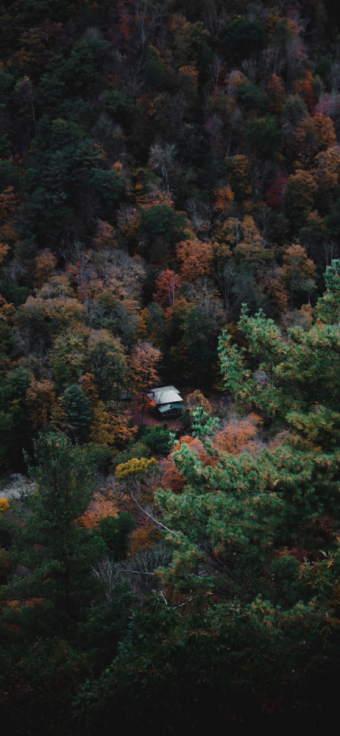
[157, 439]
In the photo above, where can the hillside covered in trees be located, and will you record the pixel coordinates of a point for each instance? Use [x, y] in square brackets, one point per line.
[169, 214]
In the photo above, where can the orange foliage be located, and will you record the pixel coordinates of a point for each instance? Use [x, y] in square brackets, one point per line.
[45, 265]
[3, 251]
[324, 131]
[304, 88]
[152, 199]
[17, 605]
[143, 537]
[239, 435]
[172, 478]
[278, 440]
[88, 384]
[101, 506]
[196, 258]
[190, 72]
[40, 398]
[105, 236]
[144, 360]
[197, 446]
[167, 283]
[79, 270]
[271, 280]
[197, 399]
[296, 264]
[328, 168]
[128, 222]
[58, 312]
[301, 190]
[224, 197]
[118, 167]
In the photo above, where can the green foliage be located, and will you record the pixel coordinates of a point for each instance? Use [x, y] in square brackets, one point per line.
[68, 358]
[197, 331]
[121, 106]
[153, 72]
[59, 553]
[98, 456]
[162, 222]
[115, 533]
[157, 439]
[13, 293]
[193, 144]
[126, 128]
[106, 627]
[244, 39]
[265, 137]
[135, 449]
[8, 175]
[264, 529]
[64, 159]
[6, 82]
[16, 431]
[108, 364]
[78, 409]
[251, 97]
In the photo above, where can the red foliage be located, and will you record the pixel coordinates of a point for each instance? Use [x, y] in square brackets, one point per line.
[304, 87]
[105, 236]
[276, 93]
[276, 193]
[167, 284]
[125, 20]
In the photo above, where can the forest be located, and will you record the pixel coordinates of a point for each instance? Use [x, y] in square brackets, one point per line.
[169, 216]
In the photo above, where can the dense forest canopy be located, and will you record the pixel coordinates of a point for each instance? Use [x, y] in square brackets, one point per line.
[169, 215]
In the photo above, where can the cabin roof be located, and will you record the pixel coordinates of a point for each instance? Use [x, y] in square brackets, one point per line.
[166, 395]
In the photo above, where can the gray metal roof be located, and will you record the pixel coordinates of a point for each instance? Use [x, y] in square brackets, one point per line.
[165, 395]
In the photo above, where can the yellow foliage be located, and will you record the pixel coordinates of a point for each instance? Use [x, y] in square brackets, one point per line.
[253, 253]
[108, 428]
[59, 416]
[4, 505]
[222, 252]
[134, 467]
[239, 173]
[197, 399]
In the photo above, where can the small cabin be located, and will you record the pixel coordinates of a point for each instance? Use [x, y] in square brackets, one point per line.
[168, 400]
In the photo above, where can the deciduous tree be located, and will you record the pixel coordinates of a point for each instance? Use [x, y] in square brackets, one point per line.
[144, 366]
